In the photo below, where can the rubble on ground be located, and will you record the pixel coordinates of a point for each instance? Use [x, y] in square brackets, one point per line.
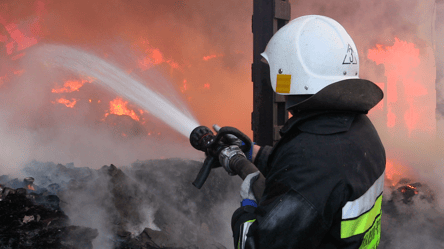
[150, 204]
[411, 217]
[30, 220]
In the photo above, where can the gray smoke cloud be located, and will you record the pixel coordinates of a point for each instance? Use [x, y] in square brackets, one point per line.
[155, 194]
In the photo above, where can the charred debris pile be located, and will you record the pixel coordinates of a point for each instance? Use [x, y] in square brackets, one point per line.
[411, 216]
[150, 204]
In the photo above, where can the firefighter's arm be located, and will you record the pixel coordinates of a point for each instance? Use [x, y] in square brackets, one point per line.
[286, 221]
[244, 217]
[296, 213]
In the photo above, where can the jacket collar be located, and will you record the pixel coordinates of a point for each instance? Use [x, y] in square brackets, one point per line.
[319, 122]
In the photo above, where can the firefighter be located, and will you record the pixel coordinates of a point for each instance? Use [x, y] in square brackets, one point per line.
[324, 178]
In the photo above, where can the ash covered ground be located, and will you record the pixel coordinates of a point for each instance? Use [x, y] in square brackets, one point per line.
[152, 204]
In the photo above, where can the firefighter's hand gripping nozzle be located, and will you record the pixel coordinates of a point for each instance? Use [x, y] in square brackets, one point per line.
[203, 139]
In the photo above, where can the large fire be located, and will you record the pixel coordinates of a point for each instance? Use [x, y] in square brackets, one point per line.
[120, 107]
[192, 61]
[407, 106]
[405, 89]
[185, 60]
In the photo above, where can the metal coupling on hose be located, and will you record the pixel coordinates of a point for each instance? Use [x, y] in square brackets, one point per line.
[227, 154]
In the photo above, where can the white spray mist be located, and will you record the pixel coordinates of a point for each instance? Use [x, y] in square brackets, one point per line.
[116, 80]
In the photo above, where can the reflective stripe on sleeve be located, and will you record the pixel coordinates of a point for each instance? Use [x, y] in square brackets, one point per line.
[362, 223]
[354, 209]
[244, 231]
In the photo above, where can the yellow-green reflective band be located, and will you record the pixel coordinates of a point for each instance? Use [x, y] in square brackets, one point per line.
[373, 236]
[362, 223]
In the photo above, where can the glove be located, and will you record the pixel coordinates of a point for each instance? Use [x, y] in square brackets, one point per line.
[246, 191]
[233, 140]
[227, 154]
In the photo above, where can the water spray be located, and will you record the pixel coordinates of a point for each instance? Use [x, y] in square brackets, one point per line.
[116, 80]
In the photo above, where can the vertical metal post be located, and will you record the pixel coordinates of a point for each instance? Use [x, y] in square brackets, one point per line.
[269, 113]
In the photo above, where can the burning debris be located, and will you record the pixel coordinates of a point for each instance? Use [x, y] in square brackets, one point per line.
[29, 182]
[411, 217]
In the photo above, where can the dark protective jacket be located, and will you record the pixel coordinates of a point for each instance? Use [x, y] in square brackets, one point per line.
[324, 182]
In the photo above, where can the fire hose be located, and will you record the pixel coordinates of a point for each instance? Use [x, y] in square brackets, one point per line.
[203, 139]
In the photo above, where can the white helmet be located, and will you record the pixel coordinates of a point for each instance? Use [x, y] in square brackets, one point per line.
[310, 53]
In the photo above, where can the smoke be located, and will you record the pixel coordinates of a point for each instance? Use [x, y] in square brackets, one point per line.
[156, 194]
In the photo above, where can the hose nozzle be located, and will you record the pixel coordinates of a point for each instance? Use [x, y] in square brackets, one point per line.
[201, 138]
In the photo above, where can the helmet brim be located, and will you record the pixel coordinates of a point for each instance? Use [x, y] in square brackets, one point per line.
[349, 95]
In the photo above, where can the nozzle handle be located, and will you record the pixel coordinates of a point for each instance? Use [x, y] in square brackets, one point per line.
[204, 172]
[237, 133]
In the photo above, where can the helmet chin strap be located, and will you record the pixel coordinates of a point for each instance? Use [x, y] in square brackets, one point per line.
[292, 100]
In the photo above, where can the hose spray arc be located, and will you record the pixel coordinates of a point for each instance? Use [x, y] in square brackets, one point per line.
[203, 139]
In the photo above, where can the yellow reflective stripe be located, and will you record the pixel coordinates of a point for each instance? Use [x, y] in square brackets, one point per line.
[283, 83]
[373, 236]
[362, 223]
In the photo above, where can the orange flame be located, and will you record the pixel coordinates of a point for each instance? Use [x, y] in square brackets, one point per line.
[154, 56]
[209, 57]
[71, 86]
[119, 107]
[68, 103]
[184, 87]
[395, 171]
[401, 62]
[30, 187]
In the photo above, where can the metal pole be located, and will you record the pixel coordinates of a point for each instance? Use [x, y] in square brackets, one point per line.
[269, 113]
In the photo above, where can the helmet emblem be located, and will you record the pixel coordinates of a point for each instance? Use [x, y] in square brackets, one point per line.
[350, 57]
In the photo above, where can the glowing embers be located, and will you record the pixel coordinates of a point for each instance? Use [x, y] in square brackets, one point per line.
[71, 86]
[409, 191]
[68, 87]
[120, 107]
[29, 182]
[68, 103]
[399, 178]
[410, 188]
[405, 85]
